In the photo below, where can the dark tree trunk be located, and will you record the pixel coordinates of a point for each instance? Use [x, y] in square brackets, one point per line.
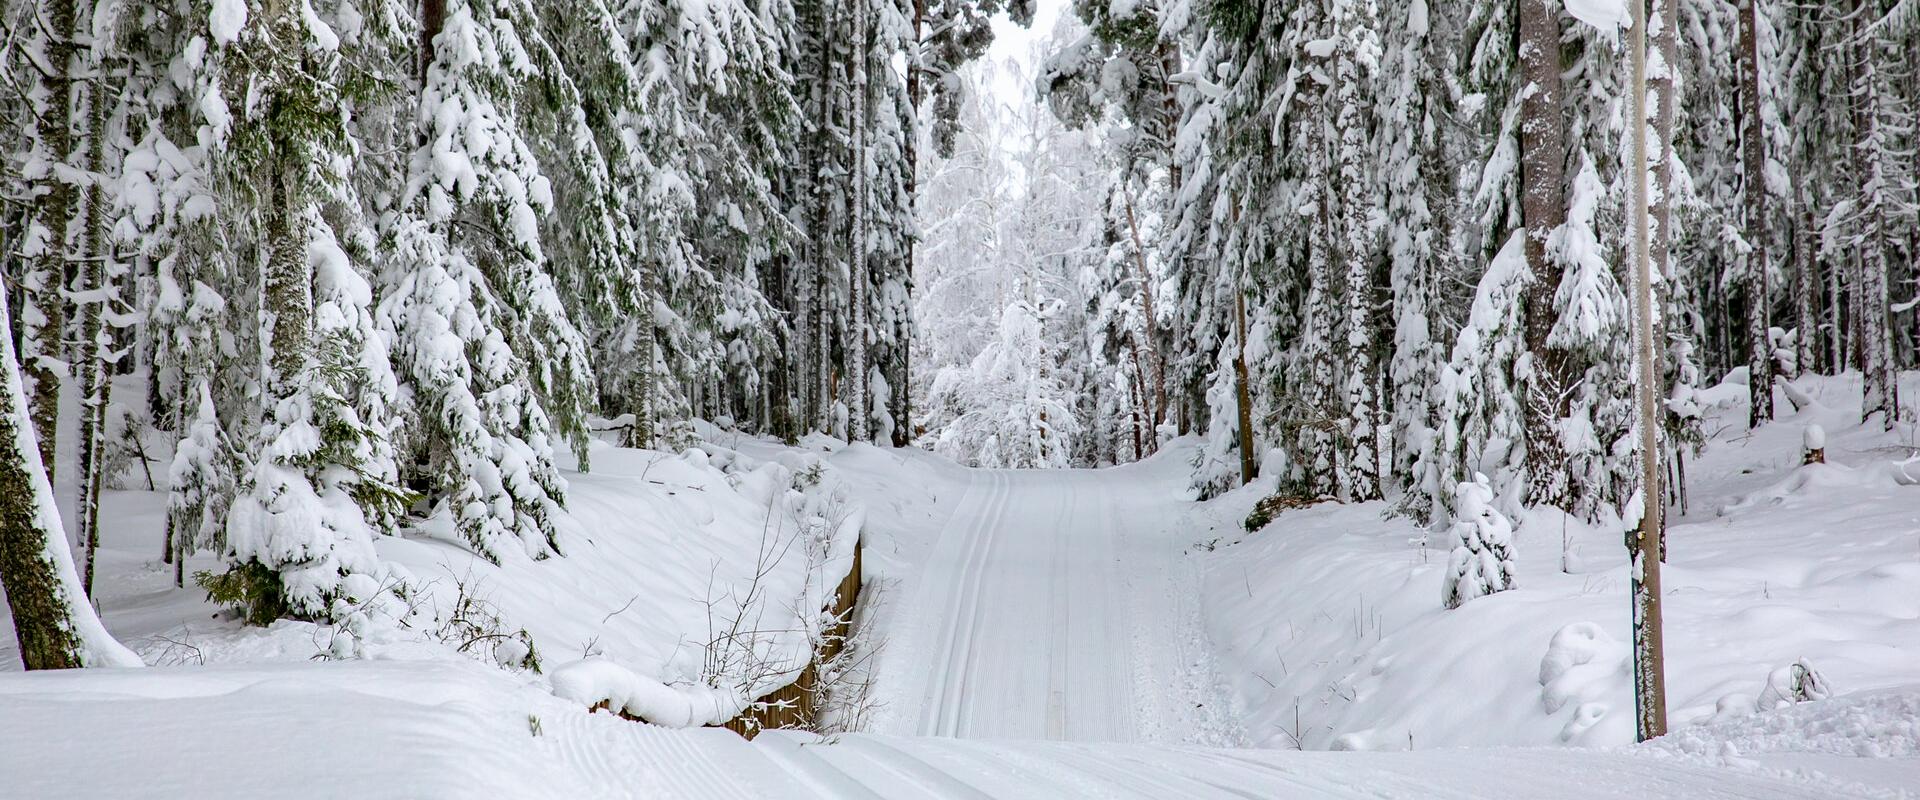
[42, 609]
[1543, 207]
[1753, 156]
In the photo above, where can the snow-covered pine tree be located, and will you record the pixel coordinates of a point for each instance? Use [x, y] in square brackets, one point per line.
[1017, 415]
[1356, 63]
[1412, 117]
[1480, 562]
[200, 484]
[319, 480]
[477, 324]
[606, 241]
[1879, 196]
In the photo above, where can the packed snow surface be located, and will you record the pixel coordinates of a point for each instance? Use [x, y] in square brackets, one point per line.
[458, 729]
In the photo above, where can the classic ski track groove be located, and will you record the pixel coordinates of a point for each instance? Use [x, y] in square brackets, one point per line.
[960, 714]
[937, 719]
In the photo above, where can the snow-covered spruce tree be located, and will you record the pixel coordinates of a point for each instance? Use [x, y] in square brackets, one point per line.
[1880, 197]
[1229, 227]
[818, 295]
[1421, 141]
[708, 146]
[1591, 325]
[1356, 64]
[1482, 420]
[1480, 562]
[478, 328]
[1209, 303]
[55, 625]
[604, 241]
[193, 281]
[1555, 422]
[200, 484]
[320, 476]
[892, 234]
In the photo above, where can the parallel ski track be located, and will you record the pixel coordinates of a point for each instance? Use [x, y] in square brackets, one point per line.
[947, 693]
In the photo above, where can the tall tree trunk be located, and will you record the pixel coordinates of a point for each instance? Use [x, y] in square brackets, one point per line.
[287, 296]
[903, 379]
[1649, 668]
[1543, 208]
[1242, 398]
[828, 102]
[1753, 156]
[856, 372]
[1171, 65]
[95, 343]
[1805, 290]
[1151, 324]
[54, 624]
[433, 17]
[1361, 464]
[1879, 387]
[45, 315]
[1838, 360]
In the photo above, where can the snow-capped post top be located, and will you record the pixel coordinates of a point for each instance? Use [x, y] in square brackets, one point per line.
[1607, 15]
[1815, 438]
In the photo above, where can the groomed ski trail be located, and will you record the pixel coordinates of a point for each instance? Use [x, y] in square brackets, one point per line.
[1053, 605]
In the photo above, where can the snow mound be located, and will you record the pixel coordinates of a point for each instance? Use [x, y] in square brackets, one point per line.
[591, 682]
[1811, 482]
[1867, 725]
[1583, 666]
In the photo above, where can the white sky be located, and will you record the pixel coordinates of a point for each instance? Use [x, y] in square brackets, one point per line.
[1011, 41]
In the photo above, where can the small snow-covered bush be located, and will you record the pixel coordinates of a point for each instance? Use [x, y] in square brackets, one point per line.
[1482, 559]
[1269, 508]
[1798, 682]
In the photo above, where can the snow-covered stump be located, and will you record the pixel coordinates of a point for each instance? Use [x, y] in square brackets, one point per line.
[1813, 444]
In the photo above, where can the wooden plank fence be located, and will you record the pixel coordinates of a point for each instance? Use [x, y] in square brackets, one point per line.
[793, 706]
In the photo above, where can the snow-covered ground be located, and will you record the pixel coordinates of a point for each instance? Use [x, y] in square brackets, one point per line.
[1163, 647]
[457, 729]
[1329, 623]
[686, 570]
